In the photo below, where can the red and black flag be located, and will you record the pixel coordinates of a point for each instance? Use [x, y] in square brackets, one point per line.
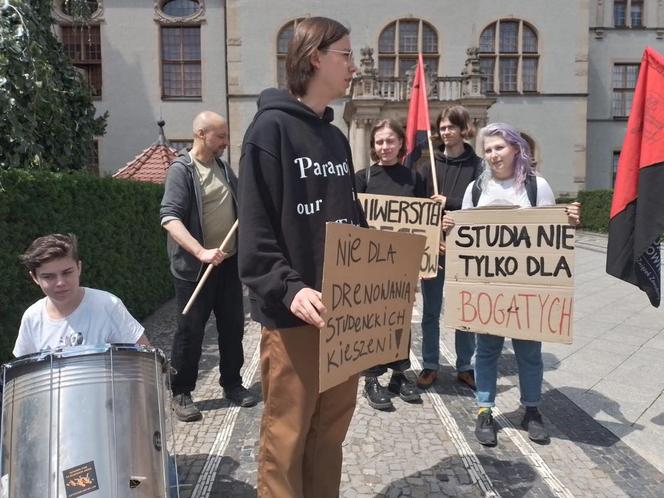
[418, 125]
[637, 209]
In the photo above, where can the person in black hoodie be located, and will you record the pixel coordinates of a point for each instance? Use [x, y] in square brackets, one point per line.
[296, 174]
[457, 166]
[389, 177]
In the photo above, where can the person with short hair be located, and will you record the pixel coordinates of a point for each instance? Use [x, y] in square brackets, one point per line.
[198, 210]
[68, 314]
[389, 177]
[457, 166]
[296, 175]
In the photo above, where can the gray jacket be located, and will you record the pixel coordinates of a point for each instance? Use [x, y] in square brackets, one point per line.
[183, 200]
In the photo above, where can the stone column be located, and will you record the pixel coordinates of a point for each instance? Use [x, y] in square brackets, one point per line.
[360, 129]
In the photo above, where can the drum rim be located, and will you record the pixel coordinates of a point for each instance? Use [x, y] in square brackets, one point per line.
[83, 350]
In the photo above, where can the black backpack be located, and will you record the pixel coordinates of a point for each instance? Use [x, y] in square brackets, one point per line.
[531, 189]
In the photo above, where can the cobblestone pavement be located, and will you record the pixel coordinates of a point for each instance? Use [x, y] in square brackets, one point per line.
[428, 449]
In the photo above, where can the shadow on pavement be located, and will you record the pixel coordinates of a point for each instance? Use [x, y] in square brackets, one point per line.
[510, 479]
[575, 424]
[224, 483]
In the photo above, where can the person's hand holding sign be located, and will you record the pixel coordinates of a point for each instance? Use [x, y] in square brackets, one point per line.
[574, 214]
[308, 306]
[440, 198]
[448, 223]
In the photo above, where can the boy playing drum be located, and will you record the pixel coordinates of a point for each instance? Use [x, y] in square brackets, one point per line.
[69, 314]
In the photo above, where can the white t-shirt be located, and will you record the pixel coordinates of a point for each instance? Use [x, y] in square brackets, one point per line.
[503, 193]
[100, 318]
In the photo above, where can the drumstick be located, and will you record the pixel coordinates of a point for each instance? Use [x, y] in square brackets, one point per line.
[209, 269]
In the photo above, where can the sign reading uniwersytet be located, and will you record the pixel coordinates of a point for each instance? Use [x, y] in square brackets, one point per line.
[407, 215]
[369, 285]
[510, 272]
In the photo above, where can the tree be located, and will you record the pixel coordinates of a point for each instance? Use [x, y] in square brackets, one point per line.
[47, 118]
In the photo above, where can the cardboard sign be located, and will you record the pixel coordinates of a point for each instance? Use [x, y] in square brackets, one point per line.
[510, 272]
[369, 284]
[408, 215]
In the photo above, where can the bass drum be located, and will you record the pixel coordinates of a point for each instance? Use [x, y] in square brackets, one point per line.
[85, 419]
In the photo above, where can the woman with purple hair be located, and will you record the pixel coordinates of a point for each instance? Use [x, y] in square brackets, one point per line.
[508, 179]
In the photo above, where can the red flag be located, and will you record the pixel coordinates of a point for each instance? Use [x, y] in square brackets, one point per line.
[418, 124]
[637, 208]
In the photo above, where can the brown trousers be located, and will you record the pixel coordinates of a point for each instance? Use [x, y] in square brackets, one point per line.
[302, 431]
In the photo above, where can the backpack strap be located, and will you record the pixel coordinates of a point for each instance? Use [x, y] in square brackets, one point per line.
[367, 172]
[531, 189]
[476, 192]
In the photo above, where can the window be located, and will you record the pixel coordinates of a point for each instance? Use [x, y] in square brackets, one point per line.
[511, 46]
[628, 13]
[283, 39]
[614, 167]
[180, 8]
[181, 62]
[83, 46]
[399, 44]
[180, 144]
[623, 82]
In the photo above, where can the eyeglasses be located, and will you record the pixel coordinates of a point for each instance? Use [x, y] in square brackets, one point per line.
[347, 53]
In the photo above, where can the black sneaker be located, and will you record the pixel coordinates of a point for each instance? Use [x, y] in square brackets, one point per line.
[376, 394]
[241, 396]
[485, 429]
[532, 422]
[401, 385]
[184, 408]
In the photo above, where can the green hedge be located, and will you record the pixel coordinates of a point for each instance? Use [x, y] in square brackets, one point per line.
[121, 244]
[595, 209]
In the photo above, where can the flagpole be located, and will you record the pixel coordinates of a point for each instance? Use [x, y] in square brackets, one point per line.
[434, 179]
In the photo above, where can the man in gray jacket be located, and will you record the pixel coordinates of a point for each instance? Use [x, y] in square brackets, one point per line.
[198, 209]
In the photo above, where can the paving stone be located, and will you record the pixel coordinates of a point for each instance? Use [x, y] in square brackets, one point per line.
[410, 452]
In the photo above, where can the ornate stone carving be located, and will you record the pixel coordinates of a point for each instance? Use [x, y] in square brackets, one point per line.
[162, 18]
[430, 79]
[472, 64]
[61, 18]
[367, 64]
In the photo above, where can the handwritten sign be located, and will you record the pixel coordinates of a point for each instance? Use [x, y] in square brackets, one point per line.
[369, 284]
[510, 272]
[407, 215]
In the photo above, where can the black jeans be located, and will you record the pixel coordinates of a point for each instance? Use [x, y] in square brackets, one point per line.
[398, 366]
[222, 293]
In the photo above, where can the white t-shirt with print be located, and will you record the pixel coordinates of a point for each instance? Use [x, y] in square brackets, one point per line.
[503, 193]
[100, 318]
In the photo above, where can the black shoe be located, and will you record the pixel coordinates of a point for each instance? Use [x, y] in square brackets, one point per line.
[376, 394]
[485, 429]
[184, 408]
[399, 384]
[467, 377]
[532, 422]
[241, 396]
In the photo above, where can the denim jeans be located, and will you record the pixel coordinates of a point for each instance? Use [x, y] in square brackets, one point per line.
[222, 293]
[464, 342]
[529, 361]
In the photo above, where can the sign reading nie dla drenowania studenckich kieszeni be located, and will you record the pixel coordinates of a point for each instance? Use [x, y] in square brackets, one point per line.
[369, 284]
[510, 272]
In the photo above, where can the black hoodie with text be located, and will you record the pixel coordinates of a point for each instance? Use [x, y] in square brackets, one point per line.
[296, 174]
